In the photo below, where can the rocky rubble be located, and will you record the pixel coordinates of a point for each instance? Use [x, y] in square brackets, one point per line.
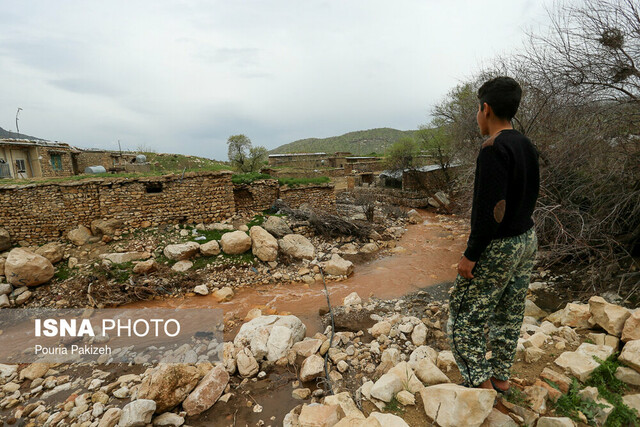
[402, 357]
[279, 251]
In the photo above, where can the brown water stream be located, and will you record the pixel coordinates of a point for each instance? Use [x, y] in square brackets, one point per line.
[425, 255]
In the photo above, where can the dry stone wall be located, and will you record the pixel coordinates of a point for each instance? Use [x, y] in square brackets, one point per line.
[321, 197]
[37, 213]
[255, 197]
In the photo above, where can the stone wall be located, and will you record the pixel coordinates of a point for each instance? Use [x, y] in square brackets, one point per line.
[38, 213]
[321, 197]
[47, 168]
[394, 196]
[93, 158]
[256, 197]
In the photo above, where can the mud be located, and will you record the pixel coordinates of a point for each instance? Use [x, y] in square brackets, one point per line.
[426, 255]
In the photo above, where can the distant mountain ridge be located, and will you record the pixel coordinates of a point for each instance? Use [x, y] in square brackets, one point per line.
[9, 134]
[359, 143]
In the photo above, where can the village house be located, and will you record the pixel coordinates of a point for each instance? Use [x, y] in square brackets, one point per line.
[23, 158]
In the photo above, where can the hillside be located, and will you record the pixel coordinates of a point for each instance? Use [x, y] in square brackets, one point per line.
[362, 142]
[7, 134]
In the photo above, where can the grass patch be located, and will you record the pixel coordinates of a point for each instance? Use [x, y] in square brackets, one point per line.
[256, 220]
[568, 405]
[120, 273]
[63, 272]
[609, 388]
[295, 182]
[394, 406]
[517, 397]
[248, 178]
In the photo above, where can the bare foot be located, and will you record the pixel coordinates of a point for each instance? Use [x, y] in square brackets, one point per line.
[486, 384]
[502, 385]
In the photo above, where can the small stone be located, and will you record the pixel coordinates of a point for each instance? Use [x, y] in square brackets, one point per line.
[301, 393]
[201, 290]
[406, 398]
[182, 266]
[224, 294]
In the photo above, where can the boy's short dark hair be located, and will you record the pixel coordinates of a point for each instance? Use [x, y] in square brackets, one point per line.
[502, 94]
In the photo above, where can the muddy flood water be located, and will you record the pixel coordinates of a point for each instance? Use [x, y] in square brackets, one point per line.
[425, 256]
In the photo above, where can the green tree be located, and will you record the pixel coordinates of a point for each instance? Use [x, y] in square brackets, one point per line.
[402, 154]
[244, 157]
[436, 141]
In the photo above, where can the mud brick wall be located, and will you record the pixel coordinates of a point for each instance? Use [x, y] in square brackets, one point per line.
[255, 197]
[321, 197]
[47, 168]
[38, 213]
[88, 158]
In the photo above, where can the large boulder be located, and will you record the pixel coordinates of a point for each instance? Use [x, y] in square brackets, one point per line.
[263, 244]
[5, 240]
[346, 403]
[24, 268]
[256, 335]
[210, 248]
[168, 385]
[428, 372]
[386, 387]
[451, 405]
[631, 354]
[338, 266]
[276, 226]
[609, 317]
[631, 330]
[80, 235]
[315, 415]
[181, 251]
[235, 242]
[297, 246]
[573, 315]
[106, 227]
[581, 363]
[137, 413]
[52, 251]
[207, 392]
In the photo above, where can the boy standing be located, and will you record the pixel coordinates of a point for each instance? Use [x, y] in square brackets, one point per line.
[494, 272]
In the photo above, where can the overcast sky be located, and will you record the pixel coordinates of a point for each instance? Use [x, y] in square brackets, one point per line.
[181, 76]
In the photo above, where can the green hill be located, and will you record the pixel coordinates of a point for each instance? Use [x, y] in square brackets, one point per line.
[8, 134]
[358, 143]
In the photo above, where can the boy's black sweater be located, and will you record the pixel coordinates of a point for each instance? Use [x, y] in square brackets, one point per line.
[505, 190]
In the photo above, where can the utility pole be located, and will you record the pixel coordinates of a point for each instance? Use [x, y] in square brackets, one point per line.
[17, 128]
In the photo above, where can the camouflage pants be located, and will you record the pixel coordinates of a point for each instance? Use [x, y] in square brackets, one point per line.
[494, 299]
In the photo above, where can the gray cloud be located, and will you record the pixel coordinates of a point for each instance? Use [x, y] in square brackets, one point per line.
[182, 76]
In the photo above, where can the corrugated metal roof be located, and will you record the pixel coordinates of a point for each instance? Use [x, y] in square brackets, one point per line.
[297, 154]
